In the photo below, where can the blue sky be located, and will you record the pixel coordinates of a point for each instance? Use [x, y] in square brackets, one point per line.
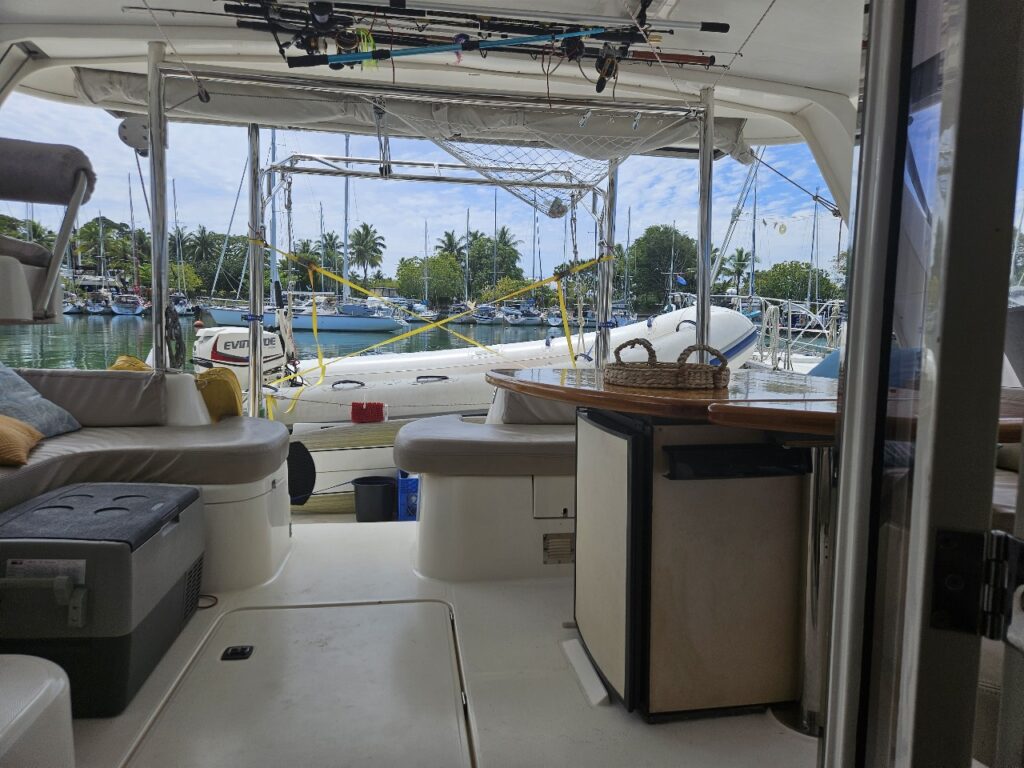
[207, 162]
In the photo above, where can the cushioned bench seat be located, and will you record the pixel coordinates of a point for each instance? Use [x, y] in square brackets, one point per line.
[234, 451]
[450, 446]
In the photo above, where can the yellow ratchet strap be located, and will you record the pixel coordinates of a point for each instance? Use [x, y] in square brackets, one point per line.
[565, 323]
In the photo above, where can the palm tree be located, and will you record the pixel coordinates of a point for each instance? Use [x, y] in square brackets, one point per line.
[328, 248]
[451, 243]
[202, 245]
[366, 245]
[737, 266]
[506, 238]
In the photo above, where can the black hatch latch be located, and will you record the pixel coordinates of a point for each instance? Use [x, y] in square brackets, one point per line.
[974, 578]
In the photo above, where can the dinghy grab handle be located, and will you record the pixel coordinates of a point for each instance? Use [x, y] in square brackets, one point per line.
[427, 379]
[359, 384]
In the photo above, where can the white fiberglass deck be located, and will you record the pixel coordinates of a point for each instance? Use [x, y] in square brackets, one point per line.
[526, 706]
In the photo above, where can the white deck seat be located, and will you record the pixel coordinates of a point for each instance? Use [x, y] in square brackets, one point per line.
[447, 445]
[35, 714]
[53, 174]
[235, 451]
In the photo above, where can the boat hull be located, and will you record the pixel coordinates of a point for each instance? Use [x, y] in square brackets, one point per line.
[451, 381]
[132, 311]
[302, 321]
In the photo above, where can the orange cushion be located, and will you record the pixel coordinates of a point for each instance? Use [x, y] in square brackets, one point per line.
[17, 439]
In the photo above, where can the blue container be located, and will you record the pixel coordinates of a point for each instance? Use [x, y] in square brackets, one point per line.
[408, 495]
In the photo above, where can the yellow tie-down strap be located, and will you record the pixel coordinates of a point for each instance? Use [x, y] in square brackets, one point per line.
[557, 278]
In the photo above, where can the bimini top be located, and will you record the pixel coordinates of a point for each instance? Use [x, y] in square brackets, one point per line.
[786, 71]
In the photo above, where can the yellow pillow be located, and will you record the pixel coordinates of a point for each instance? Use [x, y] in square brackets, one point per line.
[128, 363]
[221, 393]
[17, 439]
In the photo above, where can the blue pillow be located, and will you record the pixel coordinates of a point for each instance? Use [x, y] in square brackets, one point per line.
[19, 400]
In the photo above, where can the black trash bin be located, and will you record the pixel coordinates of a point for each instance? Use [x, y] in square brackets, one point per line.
[376, 499]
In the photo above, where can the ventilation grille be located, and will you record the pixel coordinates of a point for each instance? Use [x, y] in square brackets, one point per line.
[559, 548]
[193, 581]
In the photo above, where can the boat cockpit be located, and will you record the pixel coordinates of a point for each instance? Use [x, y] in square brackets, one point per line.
[630, 541]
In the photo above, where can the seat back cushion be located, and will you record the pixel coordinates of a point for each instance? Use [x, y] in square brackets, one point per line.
[20, 400]
[104, 398]
[514, 408]
[17, 439]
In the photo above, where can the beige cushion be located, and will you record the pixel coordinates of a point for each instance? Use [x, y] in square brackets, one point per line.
[450, 446]
[514, 408]
[234, 451]
[32, 254]
[104, 398]
[17, 439]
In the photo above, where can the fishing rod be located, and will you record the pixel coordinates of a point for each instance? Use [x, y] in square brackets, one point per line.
[458, 46]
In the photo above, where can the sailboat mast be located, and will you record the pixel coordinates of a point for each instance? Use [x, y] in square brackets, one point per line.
[177, 239]
[345, 291]
[465, 271]
[672, 258]
[426, 294]
[271, 183]
[494, 255]
[131, 223]
[103, 269]
[753, 237]
[323, 250]
[533, 269]
[629, 242]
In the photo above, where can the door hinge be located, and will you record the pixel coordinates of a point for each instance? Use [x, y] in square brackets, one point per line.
[974, 578]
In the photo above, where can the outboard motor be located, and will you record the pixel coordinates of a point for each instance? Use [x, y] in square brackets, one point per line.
[229, 348]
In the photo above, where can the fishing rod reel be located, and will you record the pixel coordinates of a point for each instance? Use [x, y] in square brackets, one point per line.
[607, 66]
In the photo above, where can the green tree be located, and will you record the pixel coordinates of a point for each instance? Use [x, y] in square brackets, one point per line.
[202, 245]
[505, 286]
[652, 254]
[180, 274]
[451, 243]
[366, 247]
[329, 248]
[485, 260]
[789, 280]
[444, 282]
[736, 268]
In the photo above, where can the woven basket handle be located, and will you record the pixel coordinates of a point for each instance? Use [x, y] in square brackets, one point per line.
[696, 348]
[652, 356]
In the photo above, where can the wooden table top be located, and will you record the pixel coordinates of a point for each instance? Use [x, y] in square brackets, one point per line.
[822, 417]
[775, 401]
[585, 386]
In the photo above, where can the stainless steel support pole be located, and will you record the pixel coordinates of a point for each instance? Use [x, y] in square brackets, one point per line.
[707, 156]
[256, 234]
[346, 292]
[817, 592]
[158, 203]
[606, 271]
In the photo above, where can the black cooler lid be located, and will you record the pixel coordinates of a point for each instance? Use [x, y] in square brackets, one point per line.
[127, 512]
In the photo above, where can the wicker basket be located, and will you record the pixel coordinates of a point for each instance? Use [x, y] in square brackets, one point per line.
[677, 375]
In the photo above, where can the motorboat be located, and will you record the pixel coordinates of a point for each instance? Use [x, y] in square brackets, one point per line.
[421, 313]
[72, 305]
[523, 317]
[98, 303]
[182, 305]
[127, 304]
[485, 314]
[775, 569]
